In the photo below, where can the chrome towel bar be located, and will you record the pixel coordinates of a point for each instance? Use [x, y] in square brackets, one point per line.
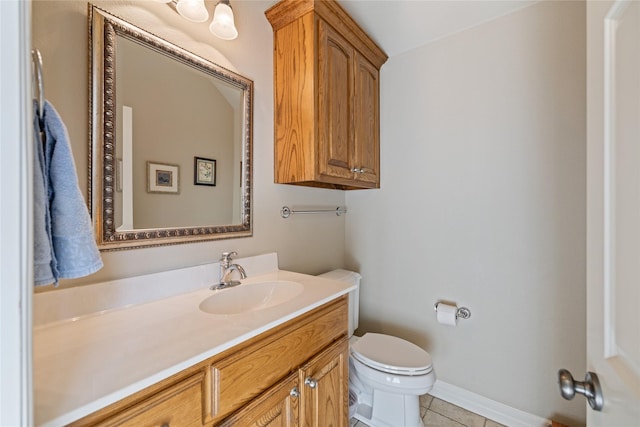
[286, 212]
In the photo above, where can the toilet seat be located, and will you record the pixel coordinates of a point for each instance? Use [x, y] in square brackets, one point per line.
[391, 354]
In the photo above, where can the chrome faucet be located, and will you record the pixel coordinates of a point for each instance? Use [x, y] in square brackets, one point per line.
[227, 269]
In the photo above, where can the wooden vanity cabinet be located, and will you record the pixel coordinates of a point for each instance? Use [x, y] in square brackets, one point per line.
[251, 383]
[327, 108]
[315, 396]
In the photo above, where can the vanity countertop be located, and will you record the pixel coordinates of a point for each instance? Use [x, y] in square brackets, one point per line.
[84, 364]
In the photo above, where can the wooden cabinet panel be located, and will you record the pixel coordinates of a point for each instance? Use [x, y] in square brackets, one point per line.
[366, 129]
[294, 98]
[277, 407]
[178, 405]
[240, 378]
[325, 395]
[335, 70]
[320, 398]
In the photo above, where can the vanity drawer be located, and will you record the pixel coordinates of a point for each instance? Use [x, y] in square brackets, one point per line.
[242, 376]
[177, 405]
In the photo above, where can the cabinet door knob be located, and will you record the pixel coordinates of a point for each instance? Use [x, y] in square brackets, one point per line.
[311, 382]
[294, 392]
[357, 170]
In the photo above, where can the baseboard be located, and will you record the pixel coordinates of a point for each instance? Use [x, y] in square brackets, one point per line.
[485, 407]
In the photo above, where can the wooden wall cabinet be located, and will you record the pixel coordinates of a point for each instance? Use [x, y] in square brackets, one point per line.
[327, 100]
[293, 375]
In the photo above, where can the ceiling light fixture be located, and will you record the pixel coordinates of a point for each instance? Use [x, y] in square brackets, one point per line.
[192, 10]
[223, 23]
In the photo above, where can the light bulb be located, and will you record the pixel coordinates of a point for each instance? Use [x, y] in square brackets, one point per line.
[193, 10]
[223, 25]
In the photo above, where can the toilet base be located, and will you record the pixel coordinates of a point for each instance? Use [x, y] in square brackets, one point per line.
[389, 410]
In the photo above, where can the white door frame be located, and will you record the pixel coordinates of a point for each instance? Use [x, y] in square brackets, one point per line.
[15, 214]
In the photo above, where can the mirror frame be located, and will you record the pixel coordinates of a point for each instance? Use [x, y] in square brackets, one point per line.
[103, 29]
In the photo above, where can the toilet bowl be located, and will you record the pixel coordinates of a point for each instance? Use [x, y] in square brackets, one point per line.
[387, 374]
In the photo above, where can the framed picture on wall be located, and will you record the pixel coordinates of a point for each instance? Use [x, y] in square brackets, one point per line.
[204, 171]
[162, 178]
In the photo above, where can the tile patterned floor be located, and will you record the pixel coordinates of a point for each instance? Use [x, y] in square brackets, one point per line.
[438, 413]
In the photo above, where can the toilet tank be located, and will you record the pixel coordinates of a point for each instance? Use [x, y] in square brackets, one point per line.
[352, 278]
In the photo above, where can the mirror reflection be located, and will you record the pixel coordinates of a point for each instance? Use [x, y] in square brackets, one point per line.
[172, 141]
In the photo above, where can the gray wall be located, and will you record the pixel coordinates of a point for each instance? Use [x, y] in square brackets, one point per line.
[483, 203]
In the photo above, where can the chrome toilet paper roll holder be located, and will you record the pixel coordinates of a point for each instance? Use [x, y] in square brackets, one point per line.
[461, 312]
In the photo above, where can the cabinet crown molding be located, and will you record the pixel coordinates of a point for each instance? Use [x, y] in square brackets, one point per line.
[287, 11]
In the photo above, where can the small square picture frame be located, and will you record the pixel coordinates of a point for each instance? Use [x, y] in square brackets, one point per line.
[163, 178]
[204, 171]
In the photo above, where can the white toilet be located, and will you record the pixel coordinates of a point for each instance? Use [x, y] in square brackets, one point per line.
[386, 374]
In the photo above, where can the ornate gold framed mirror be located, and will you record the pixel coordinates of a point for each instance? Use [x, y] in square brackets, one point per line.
[163, 122]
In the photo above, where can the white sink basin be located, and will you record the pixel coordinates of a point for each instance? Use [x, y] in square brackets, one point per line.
[250, 297]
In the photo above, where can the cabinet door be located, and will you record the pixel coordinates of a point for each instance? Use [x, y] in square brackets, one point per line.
[335, 84]
[366, 118]
[277, 407]
[324, 382]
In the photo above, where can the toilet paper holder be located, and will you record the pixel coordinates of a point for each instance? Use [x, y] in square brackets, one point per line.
[461, 312]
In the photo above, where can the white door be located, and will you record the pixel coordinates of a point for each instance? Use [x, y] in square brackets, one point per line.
[613, 209]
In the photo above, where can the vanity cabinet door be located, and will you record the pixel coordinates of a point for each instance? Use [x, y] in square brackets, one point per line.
[277, 407]
[325, 389]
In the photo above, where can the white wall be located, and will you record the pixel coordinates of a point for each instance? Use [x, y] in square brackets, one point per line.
[483, 203]
[306, 243]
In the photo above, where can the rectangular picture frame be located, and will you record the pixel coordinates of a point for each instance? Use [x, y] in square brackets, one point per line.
[163, 178]
[204, 171]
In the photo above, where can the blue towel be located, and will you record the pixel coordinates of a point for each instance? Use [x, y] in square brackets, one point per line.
[43, 274]
[73, 248]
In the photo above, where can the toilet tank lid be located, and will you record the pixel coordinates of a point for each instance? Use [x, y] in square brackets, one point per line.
[350, 277]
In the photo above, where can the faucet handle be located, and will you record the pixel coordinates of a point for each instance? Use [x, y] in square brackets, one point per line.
[226, 256]
[226, 259]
